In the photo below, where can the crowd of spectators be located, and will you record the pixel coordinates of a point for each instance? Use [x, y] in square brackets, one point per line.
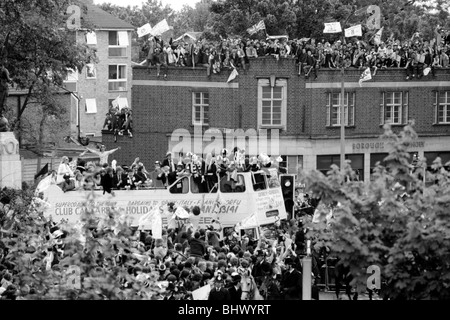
[414, 54]
[184, 259]
[119, 121]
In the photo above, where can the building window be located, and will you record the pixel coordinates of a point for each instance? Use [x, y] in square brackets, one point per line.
[91, 38]
[374, 159]
[272, 100]
[357, 163]
[118, 43]
[91, 71]
[442, 107]
[394, 108]
[334, 109]
[91, 106]
[117, 77]
[200, 108]
[432, 156]
[292, 164]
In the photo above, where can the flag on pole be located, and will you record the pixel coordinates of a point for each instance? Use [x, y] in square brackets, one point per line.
[365, 76]
[144, 30]
[377, 36]
[41, 172]
[160, 28]
[259, 26]
[233, 75]
[354, 31]
[332, 27]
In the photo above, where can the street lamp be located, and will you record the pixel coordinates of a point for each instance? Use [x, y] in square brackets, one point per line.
[342, 99]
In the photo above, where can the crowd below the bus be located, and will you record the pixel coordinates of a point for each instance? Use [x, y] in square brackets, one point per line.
[183, 259]
[206, 175]
[414, 54]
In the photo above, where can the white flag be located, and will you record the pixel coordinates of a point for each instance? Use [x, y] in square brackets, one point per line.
[201, 293]
[332, 27]
[144, 30]
[365, 76]
[255, 28]
[160, 28]
[377, 36]
[233, 75]
[354, 31]
[115, 102]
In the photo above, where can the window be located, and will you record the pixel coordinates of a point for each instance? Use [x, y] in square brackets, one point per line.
[229, 185]
[442, 107]
[431, 156]
[117, 77]
[292, 164]
[200, 108]
[91, 38]
[374, 158]
[394, 108]
[259, 181]
[334, 109]
[272, 100]
[357, 163]
[91, 71]
[118, 43]
[91, 106]
[71, 80]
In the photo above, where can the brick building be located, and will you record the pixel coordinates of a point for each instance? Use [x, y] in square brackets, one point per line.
[269, 96]
[98, 84]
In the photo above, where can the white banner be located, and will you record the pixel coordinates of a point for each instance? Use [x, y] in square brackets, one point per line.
[332, 27]
[365, 76]
[160, 28]
[377, 36]
[144, 30]
[354, 31]
[201, 293]
[123, 38]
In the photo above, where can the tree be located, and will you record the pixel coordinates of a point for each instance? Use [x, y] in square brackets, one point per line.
[90, 249]
[396, 222]
[40, 50]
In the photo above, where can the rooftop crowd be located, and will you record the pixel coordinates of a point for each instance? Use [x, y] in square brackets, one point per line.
[414, 54]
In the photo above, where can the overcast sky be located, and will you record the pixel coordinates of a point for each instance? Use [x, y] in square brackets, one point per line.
[174, 4]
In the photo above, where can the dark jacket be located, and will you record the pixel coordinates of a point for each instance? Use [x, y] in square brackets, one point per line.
[219, 295]
[291, 284]
[198, 247]
[107, 183]
[235, 294]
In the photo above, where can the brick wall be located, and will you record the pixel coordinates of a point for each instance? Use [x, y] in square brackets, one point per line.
[98, 88]
[159, 109]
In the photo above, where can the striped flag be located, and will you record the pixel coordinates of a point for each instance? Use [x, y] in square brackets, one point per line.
[259, 26]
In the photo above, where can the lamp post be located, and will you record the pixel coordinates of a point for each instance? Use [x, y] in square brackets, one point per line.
[342, 116]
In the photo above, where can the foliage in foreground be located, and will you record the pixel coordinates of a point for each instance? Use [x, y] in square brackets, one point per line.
[99, 260]
[406, 232]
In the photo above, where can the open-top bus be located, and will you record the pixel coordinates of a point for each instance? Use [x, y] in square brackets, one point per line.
[257, 193]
